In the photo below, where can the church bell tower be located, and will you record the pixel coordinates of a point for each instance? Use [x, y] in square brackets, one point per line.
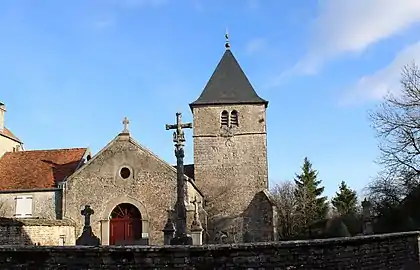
[230, 140]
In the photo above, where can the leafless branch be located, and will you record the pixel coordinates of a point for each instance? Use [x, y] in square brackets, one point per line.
[397, 124]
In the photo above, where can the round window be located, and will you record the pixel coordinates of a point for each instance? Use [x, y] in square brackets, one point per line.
[125, 173]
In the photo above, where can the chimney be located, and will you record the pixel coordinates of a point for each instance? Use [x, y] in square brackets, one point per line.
[2, 112]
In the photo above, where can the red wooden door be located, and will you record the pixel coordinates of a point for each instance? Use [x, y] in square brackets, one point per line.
[121, 231]
[125, 225]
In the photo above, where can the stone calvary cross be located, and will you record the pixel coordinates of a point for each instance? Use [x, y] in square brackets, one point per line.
[181, 237]
[87, 212]
[88, 238]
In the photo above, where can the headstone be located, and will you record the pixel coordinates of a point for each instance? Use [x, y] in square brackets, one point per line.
[87, 238]
[181, 237]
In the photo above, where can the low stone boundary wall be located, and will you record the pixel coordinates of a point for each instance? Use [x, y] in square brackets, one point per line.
[36, 232]
[387, 251]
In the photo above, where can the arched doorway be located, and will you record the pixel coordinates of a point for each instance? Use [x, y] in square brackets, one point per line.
[125, 226]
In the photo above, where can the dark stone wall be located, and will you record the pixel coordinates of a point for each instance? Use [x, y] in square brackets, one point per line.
[390, 251]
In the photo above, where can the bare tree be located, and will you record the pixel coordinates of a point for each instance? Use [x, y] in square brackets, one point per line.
[397, 123]
[284, 195]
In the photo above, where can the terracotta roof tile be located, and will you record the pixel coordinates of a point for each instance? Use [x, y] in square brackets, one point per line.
[7, 133]
[38, 168]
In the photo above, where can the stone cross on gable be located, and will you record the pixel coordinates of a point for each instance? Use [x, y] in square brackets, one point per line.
[87, 212]
[126, 122]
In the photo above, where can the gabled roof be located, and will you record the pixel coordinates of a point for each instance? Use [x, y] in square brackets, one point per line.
[228, 85]
[7, 133]
[127, 137]
[38, 168]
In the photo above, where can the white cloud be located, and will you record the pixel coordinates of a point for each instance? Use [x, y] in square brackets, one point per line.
[385, 80]
[344, 26]
[255, 45]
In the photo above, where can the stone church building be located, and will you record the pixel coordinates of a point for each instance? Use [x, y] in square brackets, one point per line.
[132, 190]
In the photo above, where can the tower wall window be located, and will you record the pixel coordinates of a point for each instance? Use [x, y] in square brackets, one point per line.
[234, 118]
[224, 118]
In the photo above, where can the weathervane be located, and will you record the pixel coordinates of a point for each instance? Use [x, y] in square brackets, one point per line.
[227, 43]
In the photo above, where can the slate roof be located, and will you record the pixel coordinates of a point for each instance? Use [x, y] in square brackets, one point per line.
[228, 85]
[7, 133]
[39, 168]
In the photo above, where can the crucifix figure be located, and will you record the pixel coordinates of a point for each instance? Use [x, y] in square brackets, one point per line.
[179, 139]
[195, 203]
[126, 122]
[196, 224]
[87, 212]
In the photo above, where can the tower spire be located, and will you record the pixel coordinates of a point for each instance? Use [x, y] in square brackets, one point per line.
[227, 43]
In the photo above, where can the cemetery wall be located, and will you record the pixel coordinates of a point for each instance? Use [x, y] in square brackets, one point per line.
[389, 251]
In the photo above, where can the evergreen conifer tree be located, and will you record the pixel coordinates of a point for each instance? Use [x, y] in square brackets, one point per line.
[345, 200]
[311, 205]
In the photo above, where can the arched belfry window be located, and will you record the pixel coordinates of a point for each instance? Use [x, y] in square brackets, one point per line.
[224, 119]
[234, 118]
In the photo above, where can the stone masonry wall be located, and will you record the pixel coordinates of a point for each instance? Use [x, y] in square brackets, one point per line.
[36, 232]
[45, 204]
[230, 167]
[381, 252]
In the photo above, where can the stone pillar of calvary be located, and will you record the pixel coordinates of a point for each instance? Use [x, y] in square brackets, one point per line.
[181, 237]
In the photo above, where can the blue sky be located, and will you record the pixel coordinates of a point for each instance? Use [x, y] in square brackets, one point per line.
[71, 71]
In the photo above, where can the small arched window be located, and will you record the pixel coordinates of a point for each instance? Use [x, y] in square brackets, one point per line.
[234, 118]
[224, 119]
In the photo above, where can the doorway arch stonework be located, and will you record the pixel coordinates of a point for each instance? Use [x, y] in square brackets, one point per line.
[110, 205]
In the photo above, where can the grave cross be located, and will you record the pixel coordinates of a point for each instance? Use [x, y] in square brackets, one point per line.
[179, 139]
[125, 122]
[87, 212]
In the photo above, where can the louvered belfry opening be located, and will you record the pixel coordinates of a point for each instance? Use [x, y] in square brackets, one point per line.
[234, 118]
[224, 119]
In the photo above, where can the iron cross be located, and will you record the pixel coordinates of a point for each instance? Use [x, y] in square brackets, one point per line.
[178, 135]
[87, 212]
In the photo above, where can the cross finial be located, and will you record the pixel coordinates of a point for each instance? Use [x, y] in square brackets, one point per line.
[126, 122]
[227, 44]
